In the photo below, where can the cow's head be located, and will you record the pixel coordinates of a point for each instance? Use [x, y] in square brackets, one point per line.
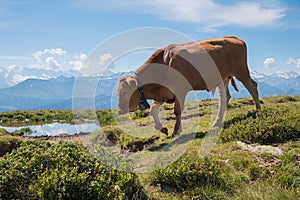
[128, 94]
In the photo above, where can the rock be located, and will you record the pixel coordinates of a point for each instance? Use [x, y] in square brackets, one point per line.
[255, 148]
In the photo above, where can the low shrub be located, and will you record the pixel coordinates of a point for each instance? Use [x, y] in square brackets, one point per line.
[139, 114]
[187, 174]
[8, 143]
[134, 144]
[22, 131]
[38, 170]
[268, 126]
[105, 117]
[285, 99]
[34, 116]
[3, 131]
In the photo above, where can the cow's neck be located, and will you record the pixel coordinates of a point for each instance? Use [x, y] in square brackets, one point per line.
[143, 104]
[151, 90]
[142, 84]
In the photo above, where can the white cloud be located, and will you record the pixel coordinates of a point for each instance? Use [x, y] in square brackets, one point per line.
[77, 64]
[269, 62]
[96, 66]
[207, 14]
[105, 60]
[58, 51]
[295, 62]
[82, 56]
[52, 64]
[49, 59]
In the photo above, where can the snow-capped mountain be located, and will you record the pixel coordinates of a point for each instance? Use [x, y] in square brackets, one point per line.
[281, 80]
[285, 75]
[257, 75]
[277, 74]
[56, 93]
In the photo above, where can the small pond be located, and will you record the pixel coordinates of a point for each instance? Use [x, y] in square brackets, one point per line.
[55, 129]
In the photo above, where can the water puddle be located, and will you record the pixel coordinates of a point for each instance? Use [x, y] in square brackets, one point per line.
[55, 129]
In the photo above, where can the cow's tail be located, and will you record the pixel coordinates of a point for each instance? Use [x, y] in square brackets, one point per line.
[233, 83]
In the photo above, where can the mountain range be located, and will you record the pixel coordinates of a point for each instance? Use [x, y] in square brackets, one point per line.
[59, 92]
[12, 75]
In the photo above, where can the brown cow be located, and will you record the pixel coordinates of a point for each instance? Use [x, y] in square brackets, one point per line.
[172, 71]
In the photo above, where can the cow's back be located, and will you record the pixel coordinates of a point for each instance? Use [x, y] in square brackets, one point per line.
[229, 54]
[203, 63]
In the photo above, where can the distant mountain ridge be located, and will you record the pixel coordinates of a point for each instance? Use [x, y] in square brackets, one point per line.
[12, 75]
[287, 83]
[57, 88]
[56, 93]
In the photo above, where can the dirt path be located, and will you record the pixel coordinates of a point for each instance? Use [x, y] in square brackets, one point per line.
[55, 139]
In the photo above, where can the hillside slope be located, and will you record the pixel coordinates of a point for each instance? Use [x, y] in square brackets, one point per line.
[255, 156]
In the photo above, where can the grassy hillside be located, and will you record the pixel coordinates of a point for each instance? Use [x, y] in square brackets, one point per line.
[256, 156]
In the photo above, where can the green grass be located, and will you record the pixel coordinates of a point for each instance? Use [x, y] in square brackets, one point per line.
[34, 116]
[20, 117]
[229, 172]
[41, 170]
[22, 131]
[264, 190]
[277, 122]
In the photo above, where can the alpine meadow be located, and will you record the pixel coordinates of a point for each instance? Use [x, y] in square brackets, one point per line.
[150, 100]
[256, 157]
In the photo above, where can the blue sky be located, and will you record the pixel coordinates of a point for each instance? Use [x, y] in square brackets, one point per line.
[59, 35]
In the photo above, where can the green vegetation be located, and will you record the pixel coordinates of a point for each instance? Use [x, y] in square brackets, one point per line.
[35, 116]
[22, 131]
[105, 117]
[189, 173]
[16, 118]
[3, 131]
[40, 170]
[19, 132]
[268, 126]
[62, 171]
[124, 140]
[8, 143]
[277, 122]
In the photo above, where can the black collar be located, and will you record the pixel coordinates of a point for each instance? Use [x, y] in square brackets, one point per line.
[143, 105]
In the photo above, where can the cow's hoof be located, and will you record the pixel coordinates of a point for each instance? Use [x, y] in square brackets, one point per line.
[175, 134]
[217, 125]
[164, 130]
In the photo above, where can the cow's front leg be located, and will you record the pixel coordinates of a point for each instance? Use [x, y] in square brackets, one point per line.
[222, 106]
[154, 108]
[178, 109]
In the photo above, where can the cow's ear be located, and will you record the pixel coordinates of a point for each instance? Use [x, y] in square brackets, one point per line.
[132, 82]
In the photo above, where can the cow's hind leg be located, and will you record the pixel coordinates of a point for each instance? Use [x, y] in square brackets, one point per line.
[178, 109]
[251, 86]
[154, 108]
[228, 96]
